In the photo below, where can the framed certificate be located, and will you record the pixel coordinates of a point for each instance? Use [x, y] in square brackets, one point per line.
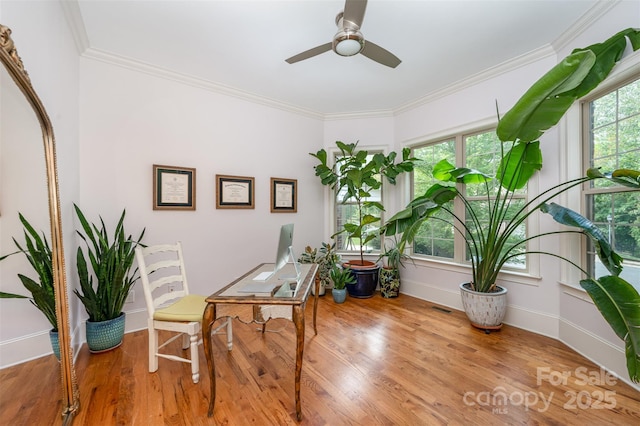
[284, 196]
[174, 188]
[234, 192]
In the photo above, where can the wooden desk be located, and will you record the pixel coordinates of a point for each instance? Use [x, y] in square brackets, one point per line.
[231, 295]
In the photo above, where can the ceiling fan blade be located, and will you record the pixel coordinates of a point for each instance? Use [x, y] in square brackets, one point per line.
[309, 53]
[380, 55]
[354, 11]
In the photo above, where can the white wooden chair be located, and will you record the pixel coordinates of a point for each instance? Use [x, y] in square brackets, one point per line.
[170, 306]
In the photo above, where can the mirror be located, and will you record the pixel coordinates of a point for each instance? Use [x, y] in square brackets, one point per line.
[13, 65]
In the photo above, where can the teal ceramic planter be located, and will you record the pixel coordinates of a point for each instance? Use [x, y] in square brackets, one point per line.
[105, 335]
[55, 343]
[339, 295]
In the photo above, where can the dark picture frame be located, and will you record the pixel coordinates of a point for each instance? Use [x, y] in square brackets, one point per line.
[235, 192]
[174, 188]
[284, 195]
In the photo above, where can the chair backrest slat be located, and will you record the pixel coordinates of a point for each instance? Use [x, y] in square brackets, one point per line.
[161, 259]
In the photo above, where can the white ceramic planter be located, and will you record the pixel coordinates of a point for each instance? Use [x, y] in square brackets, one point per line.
[485, 310]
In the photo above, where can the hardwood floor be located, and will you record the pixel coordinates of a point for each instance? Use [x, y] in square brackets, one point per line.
[375, 361]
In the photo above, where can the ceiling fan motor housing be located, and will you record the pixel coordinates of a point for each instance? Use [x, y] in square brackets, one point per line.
[348, 41]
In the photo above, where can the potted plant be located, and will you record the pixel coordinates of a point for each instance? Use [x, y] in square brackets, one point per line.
[326, 257]
[357, 174]
[341, 277]
[111, 263]
[38, 254]
[393, 259]
[490, 233]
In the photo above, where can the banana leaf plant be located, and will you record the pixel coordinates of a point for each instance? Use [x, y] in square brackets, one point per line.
[38, 254]
[492, 242]
[111, 263]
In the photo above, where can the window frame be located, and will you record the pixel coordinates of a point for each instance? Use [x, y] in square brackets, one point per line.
[573, 247]
[588, 260]
[332, 153]
[529, 275]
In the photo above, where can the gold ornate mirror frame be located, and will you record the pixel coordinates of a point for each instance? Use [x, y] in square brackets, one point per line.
[12, 62]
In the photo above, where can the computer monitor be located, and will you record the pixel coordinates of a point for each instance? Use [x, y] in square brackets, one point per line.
[283, 252]
[284, 246]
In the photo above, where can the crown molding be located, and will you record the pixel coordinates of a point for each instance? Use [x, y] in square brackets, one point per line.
[74, 17]
[72, 13]
[154, 70]
[582, 24]
[359, 115]
[493, 72]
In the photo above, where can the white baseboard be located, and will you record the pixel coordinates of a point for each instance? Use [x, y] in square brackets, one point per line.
[602, 353]
[25, 348]
[606, 355]
[37, 345]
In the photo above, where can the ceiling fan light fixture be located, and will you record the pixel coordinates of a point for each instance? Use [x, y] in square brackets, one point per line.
[348, 43]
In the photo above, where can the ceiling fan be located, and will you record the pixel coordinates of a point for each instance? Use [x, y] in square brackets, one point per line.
[349, 41]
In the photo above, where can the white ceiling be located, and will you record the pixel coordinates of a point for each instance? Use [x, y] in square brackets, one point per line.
[242, 45]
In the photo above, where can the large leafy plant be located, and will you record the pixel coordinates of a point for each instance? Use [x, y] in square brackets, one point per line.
[38, 254]
[490, 241]
[111, 262]
[357, 175]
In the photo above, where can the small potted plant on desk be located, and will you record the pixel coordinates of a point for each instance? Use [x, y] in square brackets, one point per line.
[38, 253]
[340, 277]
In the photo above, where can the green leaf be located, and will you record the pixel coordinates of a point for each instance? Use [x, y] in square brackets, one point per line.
[321, 155]
[519, 164]
[619, 303]
[608, 53]
[4, 295]
[624, 177]
[39, 256]
[542, 106]
[111, 263]
[447, 172]
[609, 258]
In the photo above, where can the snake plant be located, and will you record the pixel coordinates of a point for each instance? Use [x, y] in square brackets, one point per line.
[38, 253]
[111, 262]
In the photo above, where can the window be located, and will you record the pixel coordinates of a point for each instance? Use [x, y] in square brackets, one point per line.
[348, 213]
[437, 236]
[612, 129]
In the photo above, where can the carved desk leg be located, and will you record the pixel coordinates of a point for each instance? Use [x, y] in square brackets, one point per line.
[298, 320]
[207, 323]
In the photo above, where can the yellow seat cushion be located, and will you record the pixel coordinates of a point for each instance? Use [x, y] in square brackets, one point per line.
[189, 308]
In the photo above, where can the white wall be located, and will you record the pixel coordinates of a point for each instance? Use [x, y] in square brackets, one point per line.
[130, 121]
[46, 47]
